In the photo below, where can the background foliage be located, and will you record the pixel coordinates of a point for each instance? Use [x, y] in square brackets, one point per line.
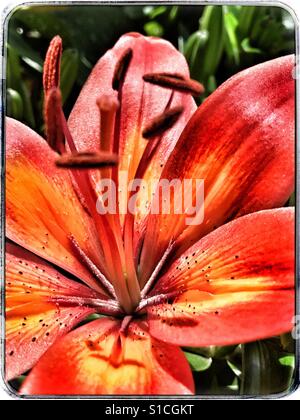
[217, 41]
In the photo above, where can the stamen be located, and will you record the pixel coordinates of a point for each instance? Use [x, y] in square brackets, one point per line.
[53, 121]
[162, 122]
[125, 324]
[108, 106]
[93, 268]
[174, 82]
[150, 283]
[156, 300]
[105, 307]
[121, 68]
[51, 72]
[87, 160]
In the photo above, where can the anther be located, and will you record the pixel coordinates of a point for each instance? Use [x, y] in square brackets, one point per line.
[174, 82]
[51, 72]
[162, 122]
[121, 68]
[87, 160]
[53, 121]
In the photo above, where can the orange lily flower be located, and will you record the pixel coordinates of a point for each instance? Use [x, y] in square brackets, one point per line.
[158, 282]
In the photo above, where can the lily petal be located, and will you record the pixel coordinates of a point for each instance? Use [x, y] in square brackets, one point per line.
[42, 209]
[235, 285]
[252, 253]
[240, 142]
[33, 320]
[140, 103]
[99, 359]
[202, 319]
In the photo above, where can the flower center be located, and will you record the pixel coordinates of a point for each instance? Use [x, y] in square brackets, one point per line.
[118, 270]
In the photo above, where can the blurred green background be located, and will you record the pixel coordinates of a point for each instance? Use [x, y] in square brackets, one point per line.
[217, 41]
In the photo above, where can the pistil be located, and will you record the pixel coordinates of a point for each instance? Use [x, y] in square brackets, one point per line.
[108, 106]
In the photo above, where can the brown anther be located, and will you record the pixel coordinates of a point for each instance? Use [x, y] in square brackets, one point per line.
[53, 120]
[162, 123]
[51, 72]
[121, 68]
[87, 160]
[173, 75]
[172, 81]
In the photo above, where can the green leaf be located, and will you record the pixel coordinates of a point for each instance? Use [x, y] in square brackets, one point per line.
[194, 43]
[154, 29]
[173, 13]
[33, 64]
[211, 21]
[263, 374]
[22, 48]
[246, 18]
[231, 39]
[28, 109]
[245, 44]
[215, 352]
[234, 368]
[287, 361]
[69, 71]
[154, 12]
[198, 363]
[14, 104]
[15, 81]
[13, 69]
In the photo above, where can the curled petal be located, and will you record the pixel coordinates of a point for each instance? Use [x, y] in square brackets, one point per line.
[233, 286]
[33, 320]
[254, 252]
[42, 209]
[100, 359]
[201, 319]
[240, 142]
